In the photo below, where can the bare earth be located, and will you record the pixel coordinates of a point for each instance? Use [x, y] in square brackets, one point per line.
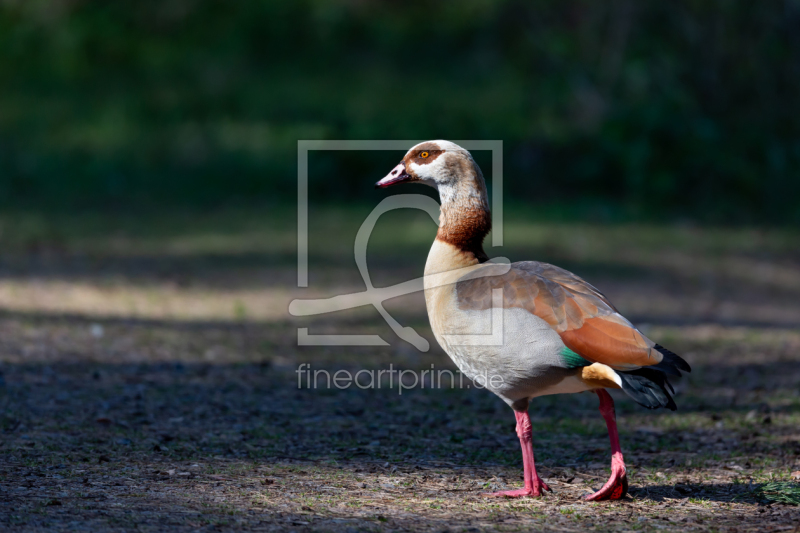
[149, 383]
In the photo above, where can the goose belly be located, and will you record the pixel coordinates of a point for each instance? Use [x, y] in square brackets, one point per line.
[517, 358]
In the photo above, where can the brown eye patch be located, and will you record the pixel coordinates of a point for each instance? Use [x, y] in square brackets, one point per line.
[425, 154]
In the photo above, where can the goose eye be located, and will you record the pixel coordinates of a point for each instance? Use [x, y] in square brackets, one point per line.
[423, 155]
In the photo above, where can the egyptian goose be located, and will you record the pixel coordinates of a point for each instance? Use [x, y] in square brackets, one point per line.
[559, 333]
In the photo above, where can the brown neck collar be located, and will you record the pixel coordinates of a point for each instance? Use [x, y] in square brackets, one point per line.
[465, 219]
[465, 229]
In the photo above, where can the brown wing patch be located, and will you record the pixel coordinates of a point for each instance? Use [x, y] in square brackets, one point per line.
[603, 340]
[584, 318]
[525, 286]
[573, 314]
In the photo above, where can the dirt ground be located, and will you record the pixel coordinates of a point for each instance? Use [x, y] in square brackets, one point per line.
[149, 383]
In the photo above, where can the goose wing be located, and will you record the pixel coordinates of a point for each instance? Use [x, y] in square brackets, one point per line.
[585, 319]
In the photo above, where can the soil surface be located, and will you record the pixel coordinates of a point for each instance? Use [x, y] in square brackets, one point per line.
[150, 383]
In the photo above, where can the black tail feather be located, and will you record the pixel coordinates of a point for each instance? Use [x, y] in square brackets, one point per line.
[672, 363]
[648, 387]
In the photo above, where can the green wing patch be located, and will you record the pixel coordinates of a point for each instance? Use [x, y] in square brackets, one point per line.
[572, 359]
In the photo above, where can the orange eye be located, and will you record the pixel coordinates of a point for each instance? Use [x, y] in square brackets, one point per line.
[423, 155]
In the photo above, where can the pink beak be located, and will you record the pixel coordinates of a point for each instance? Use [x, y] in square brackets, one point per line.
[397, 175]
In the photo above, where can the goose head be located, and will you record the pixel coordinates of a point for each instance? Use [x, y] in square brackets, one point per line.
[441, 164]
[464, 218]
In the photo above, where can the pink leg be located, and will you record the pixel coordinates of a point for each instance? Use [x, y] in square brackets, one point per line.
[617, 485]
[533, 483]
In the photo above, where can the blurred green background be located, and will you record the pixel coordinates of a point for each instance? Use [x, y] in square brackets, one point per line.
[614, 110]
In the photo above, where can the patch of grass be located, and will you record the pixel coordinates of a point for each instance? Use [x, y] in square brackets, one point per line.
[780, 491]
